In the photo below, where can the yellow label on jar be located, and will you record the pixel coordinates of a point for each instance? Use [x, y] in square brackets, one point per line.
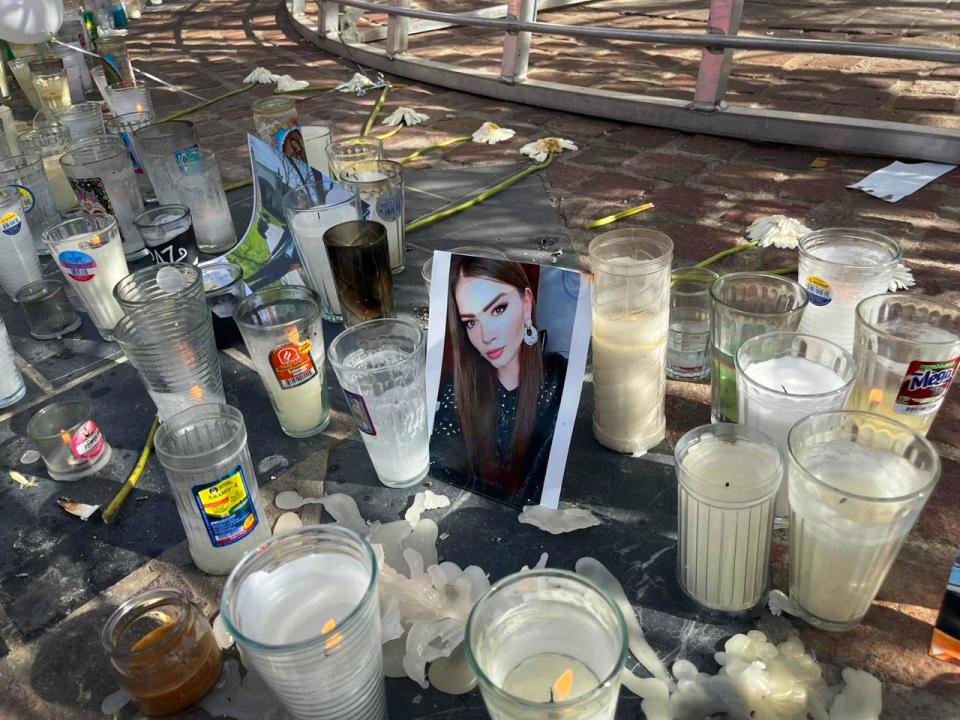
[226, 508]
[819, 291]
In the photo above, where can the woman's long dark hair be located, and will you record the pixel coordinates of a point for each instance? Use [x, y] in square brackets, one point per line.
[475, 381]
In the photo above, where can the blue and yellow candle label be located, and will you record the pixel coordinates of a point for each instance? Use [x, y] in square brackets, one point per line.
[819, 291]
[10, 223]
[225, 508]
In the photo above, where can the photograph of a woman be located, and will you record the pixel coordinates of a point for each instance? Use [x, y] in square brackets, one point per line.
[500, 389]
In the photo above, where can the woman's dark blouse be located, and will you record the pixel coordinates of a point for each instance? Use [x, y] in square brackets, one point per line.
[448, 458]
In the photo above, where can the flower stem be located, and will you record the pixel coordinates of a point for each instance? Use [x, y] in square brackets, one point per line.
[237, 185]
[377, 106]
[780, 271]
[618, 216]
[389, 134]
[477, 199]
[435, 146]
[725, 253]
[208, 103]
[313, 89]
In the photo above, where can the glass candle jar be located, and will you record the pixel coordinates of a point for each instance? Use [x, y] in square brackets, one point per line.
[688, 344]
[352, 150]
[839, 267]
[21, 71]
[163, 651]
[282, 330]
[19, 264]
[115, 60]
[278, 125]
[83, 120]
[304, 610]
[12, 387]
[51, 84]
[858, 482]
[154, 144]
[123, 126]
[178, 286]
[360, 262]
[48, 310]
[742, 306]
[907, 349]
[379, 184]
[316, 140]
[197, 178]
[631, 311]
[73, 64]
[167, 231]
[204, 454]
[26, 173]
[426, 272]
[547, 644]
[125, 99]
[224, 289]
[50, 142]
[728, 476]
[69, 440]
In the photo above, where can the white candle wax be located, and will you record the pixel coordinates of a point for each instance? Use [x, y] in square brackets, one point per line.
[63, 195]
[308, 228]
[11, 381]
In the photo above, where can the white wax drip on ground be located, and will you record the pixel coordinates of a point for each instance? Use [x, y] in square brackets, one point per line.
[287, 521]
[422, 501]
[556, 522]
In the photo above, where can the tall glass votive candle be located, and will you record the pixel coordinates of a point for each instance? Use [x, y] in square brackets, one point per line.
[352, 150]
[278, 125]
[203, 450]
[728, 476]
[783, 377]
[631, 310]
[379, 183]
[224, 289]
[69, 440]
[51, 84]
[26, 173]
[688, 344]
[178, 286]
[154, 144]
[21, 71]
[89, 254]
[124, 99]
[83, 120]
[839, 267]
[282, 330]
[742, 306]
[304, 610]
[907, 349]
[310, 211]
[102, 177]
[381, 367]
[12, 387]
[858, 482]
[360, 261]
[48, 310]
[316, 140]
[50, 142]
[547, 644]
[123, 127]
[19, 264]
[197, 178]
[167, 231]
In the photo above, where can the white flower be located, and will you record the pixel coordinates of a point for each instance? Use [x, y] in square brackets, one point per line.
[490, 134]
[405, 115]
[285, 83]
[260, 76]
[777, 230]
[357, 84]
[545, 147]
[902, 279]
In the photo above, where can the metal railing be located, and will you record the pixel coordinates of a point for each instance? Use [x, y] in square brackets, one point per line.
[705, 112]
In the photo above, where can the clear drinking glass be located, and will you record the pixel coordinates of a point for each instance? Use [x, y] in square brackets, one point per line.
[167, 231]
[858, 482]
[12, 387]
[316, 140]
[73, 64]
[783, 377]
[123, 127]
[203, 450]
[475, 250]
[21, 71]
[352, 150]
[101, 175]
[907, 350]
[198, 181]
[51, 84]
[310, 211]
[176, 285]
[154, 144]
[360, 262]
[89, 254]
[728, 476]
[839, 267]
[631, 310]
[380, 365]
[688, 344]
[547, 644]
[224, 289]
[25, 172]
[19, 264]
[278, 125]
[282, 330]
[304, 610]
[379, 183]
[69, 440]
[83, 120]
[742, 306]
[50, 142]
[48, 310]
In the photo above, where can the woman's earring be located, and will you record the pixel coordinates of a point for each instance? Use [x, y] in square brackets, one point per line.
[530, 334]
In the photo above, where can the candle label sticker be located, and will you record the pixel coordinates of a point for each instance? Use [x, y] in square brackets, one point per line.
[92, 195]
[390, 205]
[361, 416]
[10, 223]
[292, 364]
[225, 508]
[88, 442]
[186, 156]
[925, 385]
[78, 265]
[819, 291]
[27, 197]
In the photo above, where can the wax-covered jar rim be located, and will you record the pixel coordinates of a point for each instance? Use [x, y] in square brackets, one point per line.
[188, 277]
[849, 374]
[383, 324]
[53, 137]
[869, 304]
[355, 141]
[125, 122]
[392, 170]
[248, 313]
[816, 238]
[79, 410]
[586, 586]
[292, 545]
[795, 289]
[630, 252]
[135, 608]
[875, 421]
[98, 148]
[80, 109]
[187, 420]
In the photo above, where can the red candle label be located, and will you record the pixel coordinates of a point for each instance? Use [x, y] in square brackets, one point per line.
[87, 442]
[925, 385]
[292, 364]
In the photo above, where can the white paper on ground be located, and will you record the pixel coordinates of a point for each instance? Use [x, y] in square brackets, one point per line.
[897, 180]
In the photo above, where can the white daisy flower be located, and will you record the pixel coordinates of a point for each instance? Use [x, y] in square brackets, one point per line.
[260, 76]
[359, 83]
[545, 147]
[902, 279]
[490, 134]
[777, 230]
[285, 83]
[405, 115]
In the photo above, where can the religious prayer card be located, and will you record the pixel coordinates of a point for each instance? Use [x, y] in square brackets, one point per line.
[506, 351]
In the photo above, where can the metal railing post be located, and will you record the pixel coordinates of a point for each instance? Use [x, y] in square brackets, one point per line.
[715, 63]
[516, 45]
[328, 23]
[397, 31]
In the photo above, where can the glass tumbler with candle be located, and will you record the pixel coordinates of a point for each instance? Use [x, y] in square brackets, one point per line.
[360, 262]
[316, 140]
[123, 126]
[204, 454]
[379, 183]
[858, 482]
[51, 84]
[742, 306]
[198, 181]
[19, 265]
[48, 310]
[50, 142]
[154, 144]
[783, 377]
[124, 99]
[88, 252]
[224, 288]
[907, 349]
[26, 173]
[304, 610]
[101, 175]
[547, 644]
[688, 344]
[167, 231]
[380, 365]
[310, 211]
[69, 440]
[631, 310]
[278, 125]
[83, 120]
[163, 651]
[352, 150]
[12, 387]
[839, 267]
[728, 476]
[282, 330]
[178, 286]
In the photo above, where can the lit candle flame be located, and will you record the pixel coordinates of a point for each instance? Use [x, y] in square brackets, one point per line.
[562, 687]
[876, 396]
[293, 335]
[66, 438]
[196, 392]
[329, 626]
[139, 107]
